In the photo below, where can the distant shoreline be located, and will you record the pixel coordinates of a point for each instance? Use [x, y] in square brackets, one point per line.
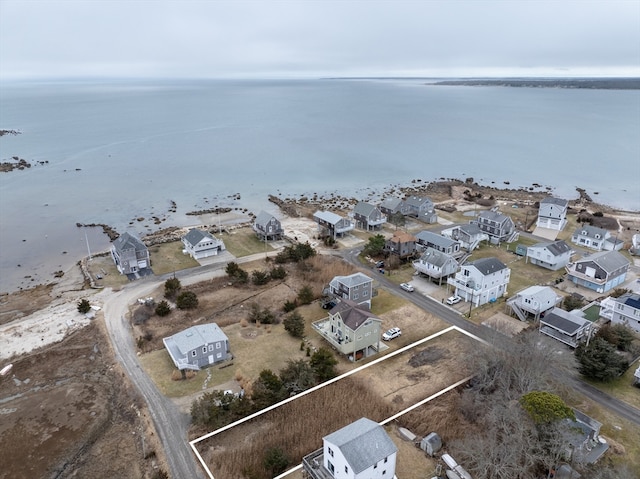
[572, 83]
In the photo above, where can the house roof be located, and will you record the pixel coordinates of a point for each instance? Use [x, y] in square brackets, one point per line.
[471, 229]
[493, 216]
[568, 323]
[488, 265]
[328, 216]
[630, 299]
[434, 238]
[353, 316]
[402, 237]
[391, 203]
[435, 257]
[351, 280]
[550, 200]
[196, 336]
[609, 261]
[127, 241]
[363, 444]
[194, 236]
[418, 201]
[591, 232]
[264, 218]
[364, 209]
[541, 293]
[556, 248]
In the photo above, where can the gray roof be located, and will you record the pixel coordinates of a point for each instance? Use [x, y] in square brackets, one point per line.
[591, 231]
[194, 236]
[195, 337]
[351, 280]
[328, 216]
[630, 299]
[554, 201]
[127, 241]
[542, 293]
[264, 218]
[363, 444]
[471, 229]
[556, 248]
[568, 323]
[364, 209]
[434, 238]
[352, 314]
[609, 261]
[494, 216]
[391, 203]
[488, 265]
[435, 257]
[418, 201]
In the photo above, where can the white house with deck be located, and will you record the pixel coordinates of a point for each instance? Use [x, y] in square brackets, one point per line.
[201, 244]
[436, 264]
[552, 255]
[360, 450]
[533, 301]
[598, 239]
[482, 281]
[623, 310]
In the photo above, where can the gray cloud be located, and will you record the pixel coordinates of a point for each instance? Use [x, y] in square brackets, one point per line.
[51, 38]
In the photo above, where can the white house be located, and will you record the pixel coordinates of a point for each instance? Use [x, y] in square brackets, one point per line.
[595, 238]
[436, 264]
[623, 310]
[552, 213]
[481, 281]
[468, 235]
[360, 450]
[201, 244]
[552, 255]
[533, 301]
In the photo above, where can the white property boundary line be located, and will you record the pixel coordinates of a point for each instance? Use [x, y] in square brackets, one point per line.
[331, 381]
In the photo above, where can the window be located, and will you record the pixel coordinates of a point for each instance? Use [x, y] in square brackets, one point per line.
[219, 355]
[218, 345]
[386, 459]
[193, 353]
[331, 468]
[331, 452]
[346, 469]
[210, 347]
[204, 350]
[365, 293]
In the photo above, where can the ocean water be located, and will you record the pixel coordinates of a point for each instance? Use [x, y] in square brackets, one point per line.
[120, 150]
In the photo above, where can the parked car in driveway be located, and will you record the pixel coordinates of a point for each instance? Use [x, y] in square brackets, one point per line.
[453, 299]
[407, 287]
[392, 334]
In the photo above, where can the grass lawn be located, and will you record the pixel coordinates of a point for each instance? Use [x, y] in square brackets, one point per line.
[244, 242]
[385, 302]
[103, 266]
[622, 387]
[168, 257]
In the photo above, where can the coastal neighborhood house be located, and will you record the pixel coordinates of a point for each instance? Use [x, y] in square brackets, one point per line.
[595, 238]
[623, 310]
[391, 206]
[351, 329]
[498, 226]
[267, 227]
[429, 239]
[401, 244]
[357, 287]
[419, 207]
[197, 346]
[481, 281]
[468, 235]
[552, 213]
[568, 328]
[130, 254]
[533, 301]
[551, 255]
[436, 264]
[201, 244]
[368, 217]
[331, 224]
[599, 272]
[360, 450]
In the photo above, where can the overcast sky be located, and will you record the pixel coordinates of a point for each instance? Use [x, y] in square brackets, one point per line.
[215, 39]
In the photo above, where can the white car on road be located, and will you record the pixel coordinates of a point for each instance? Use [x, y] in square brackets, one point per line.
[407, 287]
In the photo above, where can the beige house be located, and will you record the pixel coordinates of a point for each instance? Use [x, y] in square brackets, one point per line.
[351, 329]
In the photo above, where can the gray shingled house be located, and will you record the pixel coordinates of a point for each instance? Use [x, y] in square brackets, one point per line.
[360, 450]
[130, 254]
[599, 272]
[331, 224]
[419, 207]
[198, 346]
[429, 239]
[568, 328]
[498, 226]
[368, 217]
[267, 227]
[436, 264]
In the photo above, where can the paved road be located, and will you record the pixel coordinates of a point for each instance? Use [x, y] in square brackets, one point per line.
[453, 317]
